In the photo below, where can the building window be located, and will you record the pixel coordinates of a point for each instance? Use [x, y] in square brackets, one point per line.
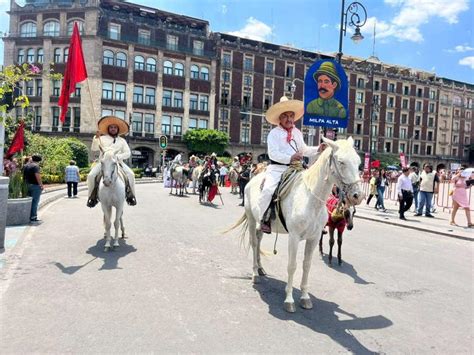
[391, 87]
[389, 132]
[429, 136]
[269, 68]
[290, 71]
[204, 73]
[359, 97]
[139, 63]
[248, 64]
[151, 65]
[432, 107]
[137, 122]
[192, 123]
[39, 87]
[55, 122]
[193, 102]
[267, 102]
[226, 60]
[360, 83]
[77, 118]
[144, 37]
[391, 102]
[166, 125]
[432, 94]
[179, 69]
[204, 103]
[172, 42]
[405, 104]
[167, 94]
[269, 84]
[404, 118]
[57, 55]
[225, 97]
[108, 57]
[416, 134]
[418, 106]
[360, 113]
[245, 133]
[167, 67]
[30, 55]
[418, 120]
[70, 27]
[107, 112]
[359, 128]
[416, 149]
[107, 90]
[28, 29]
[406, 90]
[120, 114]
[30, 87]
[429, 150]
[430, 121]
[121, 60]
[149, 123]
[389, 116]
[114, 31]
[66, 54]
[377, 85]
[150, 96]
[178, 99]
[37, 123]
[120, 92]
[388, 147]
[357, 144]
[56, 87]
[198, 47]
[138, 94]
[21, 56]
[403, 133]
[402, 148]
[177, 126]
[247, 80]
[67, 122]
[419, 93]
[203, 124]
[194, 72]
[51, 28]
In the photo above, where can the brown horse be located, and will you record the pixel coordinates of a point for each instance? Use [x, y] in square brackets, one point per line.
[234, 180]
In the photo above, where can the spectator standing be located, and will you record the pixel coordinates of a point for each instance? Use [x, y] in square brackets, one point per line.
[222, 175]
[415, 182]
[32, 176]
[72, 179]
[460, 199]
[428, 180]
[373, 187]
[244, 178]
[381, 182]
[404, 192]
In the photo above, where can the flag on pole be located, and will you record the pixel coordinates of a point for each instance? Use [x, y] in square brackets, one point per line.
[75, 71]
[18, 142]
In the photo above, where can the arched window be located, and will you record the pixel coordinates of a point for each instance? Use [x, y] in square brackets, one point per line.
[51, 28]
[151, 64]
[167, 67]
[21, 56]
[139, 62]
[121, 60]
[194, 72]
[108, 58]
[70, 26]
[66, 54]
[57, 55]
[205, 73]
[179, 69]
[28, 29]
[30, 55]
[40, 55]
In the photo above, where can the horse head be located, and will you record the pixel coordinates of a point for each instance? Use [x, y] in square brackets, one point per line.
[345, 162]
[109, 167]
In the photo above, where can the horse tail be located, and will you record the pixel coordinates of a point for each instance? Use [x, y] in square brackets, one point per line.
[242, 221]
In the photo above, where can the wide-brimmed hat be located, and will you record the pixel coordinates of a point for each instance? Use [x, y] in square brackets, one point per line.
[328, 68]
[285, 105]
[106, 121]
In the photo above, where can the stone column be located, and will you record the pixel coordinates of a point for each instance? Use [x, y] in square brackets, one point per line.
[3, 209]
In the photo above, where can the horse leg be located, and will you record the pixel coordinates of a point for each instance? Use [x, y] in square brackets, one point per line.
[305, 300]
[118, 216]
[253, 239]
[261, 270]
[292, 251]
[321, 244]
[107, 216]
[122, 226]
[171, 185]
[339, 247]
[331, 243]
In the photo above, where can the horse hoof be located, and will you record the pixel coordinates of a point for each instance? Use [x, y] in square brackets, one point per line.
[290, 307]
[306, 303]
[106, 249]
[261, 271]
[256, 279]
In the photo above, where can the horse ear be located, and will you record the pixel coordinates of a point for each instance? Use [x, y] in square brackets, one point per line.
[330, 143]
[351, 141]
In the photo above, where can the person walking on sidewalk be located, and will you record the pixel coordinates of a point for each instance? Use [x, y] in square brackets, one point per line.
[460, 199]
[72, 179]
[32, 176]
[381, 182]
[428, 180]
[415, 182]
[373, 187]
[404, 193]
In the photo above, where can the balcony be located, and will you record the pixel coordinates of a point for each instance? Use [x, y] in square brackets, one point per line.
[444, 129]
[443, 143]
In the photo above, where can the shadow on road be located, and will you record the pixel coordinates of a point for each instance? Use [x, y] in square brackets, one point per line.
[323, 318]
[345, 268]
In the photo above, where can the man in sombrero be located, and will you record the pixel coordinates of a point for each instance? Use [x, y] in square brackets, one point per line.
[285, 145]
[328, 83]
[108, 136]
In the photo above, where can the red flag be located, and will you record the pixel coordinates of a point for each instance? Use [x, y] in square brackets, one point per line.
[18, 142]
[75, 71]
[375, 164]
[212, 193]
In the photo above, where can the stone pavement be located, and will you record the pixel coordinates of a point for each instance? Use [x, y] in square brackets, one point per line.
[439, 224]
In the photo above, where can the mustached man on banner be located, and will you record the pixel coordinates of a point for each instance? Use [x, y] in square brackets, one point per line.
[326, 95]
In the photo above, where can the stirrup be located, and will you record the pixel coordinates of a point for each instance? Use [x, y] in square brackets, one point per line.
[131, 200]
[92, 201]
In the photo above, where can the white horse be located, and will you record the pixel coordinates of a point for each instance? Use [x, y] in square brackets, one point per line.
[304, 209]
[111, 194]
[179, 175]
[195, 177]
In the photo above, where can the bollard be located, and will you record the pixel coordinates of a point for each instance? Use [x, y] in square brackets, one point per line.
[3, 209]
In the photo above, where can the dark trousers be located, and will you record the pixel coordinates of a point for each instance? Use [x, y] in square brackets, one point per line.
[222, 180]
[71, 186]
[405, 202]
[35, 192]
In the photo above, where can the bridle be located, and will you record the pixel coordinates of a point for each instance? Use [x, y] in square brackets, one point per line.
[344, 186]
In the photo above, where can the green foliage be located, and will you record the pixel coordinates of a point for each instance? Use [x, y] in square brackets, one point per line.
[17, 188]
[56, 153]
[226, 160]
[79, 152]
[386, 159]
[206, 141]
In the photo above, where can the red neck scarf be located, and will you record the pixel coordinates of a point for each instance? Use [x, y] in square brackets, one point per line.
[289, 136]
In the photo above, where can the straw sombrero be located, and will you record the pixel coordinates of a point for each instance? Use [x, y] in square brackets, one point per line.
[106, 121]
[285, 105]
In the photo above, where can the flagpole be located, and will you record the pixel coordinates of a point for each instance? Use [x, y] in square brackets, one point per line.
[92, 105]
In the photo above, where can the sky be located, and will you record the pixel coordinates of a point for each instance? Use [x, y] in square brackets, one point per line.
[431, 35]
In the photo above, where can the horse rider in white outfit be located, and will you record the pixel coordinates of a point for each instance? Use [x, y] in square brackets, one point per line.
[107, 137]
[285, 145]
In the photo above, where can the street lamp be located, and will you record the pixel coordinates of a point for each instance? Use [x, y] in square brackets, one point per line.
[355, 16]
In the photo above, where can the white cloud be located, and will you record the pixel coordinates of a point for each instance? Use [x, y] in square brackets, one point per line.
[412, 14]
[324, 25]
[223, 9]
[469, 61]
[461, 49]
[254, 29]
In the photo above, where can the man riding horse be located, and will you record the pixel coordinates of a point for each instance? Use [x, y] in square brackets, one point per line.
[285, 145]
[107, 137]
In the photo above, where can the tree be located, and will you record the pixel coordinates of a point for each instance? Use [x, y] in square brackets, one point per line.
[206, 140]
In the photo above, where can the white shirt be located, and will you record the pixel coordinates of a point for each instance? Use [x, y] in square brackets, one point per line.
[280, 150]
[118, 145]
[223, 171]
[404, 183]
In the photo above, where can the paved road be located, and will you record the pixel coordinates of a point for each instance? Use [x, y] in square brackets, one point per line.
[178, 285]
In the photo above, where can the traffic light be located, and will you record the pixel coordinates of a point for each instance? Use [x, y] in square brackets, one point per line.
[163, 142]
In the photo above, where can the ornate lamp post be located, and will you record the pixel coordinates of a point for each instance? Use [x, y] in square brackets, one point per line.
[355, 16]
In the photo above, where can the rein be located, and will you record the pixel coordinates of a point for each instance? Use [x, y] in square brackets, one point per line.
[345, 187]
